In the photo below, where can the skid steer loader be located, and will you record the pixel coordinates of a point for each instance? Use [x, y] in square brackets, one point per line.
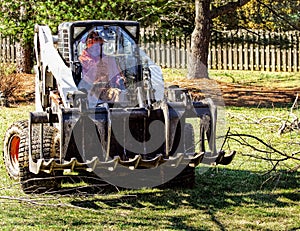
[141, 138]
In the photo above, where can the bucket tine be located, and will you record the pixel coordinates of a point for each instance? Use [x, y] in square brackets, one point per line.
[226, 159]
[152, 163]
[196, 159]
[109, 165]
[174, 161]
[131, 163]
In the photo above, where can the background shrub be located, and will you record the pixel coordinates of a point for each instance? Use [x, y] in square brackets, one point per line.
[10, 83]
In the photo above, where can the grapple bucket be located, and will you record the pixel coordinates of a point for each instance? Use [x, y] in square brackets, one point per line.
[135, 138]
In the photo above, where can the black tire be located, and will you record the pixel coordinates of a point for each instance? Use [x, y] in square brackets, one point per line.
[42, 182]
[12, 140]
[16, 145]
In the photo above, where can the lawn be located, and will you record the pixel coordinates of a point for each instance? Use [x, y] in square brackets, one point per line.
[239, 196]
[246, 78]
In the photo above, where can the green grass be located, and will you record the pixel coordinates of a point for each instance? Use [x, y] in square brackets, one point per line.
[249, 78]
[265, 124]
[234, 197]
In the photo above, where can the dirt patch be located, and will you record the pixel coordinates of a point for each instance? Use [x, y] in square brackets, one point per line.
[232, 94]
[28, 84]
[238, 95]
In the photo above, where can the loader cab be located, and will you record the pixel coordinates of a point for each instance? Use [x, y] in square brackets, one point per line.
[121, 43]
[120, 48]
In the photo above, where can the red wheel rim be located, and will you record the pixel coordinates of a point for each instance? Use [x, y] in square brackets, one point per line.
[14, 149]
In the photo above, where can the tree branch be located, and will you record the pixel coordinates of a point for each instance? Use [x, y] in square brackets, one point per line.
[227, 8]
[293, 26]
[264, 143]
[34, 202]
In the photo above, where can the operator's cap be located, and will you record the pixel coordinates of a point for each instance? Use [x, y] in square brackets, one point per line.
[93, 37]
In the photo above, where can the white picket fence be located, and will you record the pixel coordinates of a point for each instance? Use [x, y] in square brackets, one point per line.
[8, 48]
[229, 50]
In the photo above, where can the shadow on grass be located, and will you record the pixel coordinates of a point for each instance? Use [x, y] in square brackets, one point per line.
[214, 191]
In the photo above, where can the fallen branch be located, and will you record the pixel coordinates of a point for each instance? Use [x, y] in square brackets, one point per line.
[34, 202]
[264, 143]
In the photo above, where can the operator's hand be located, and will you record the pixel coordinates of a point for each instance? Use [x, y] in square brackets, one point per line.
[101, 78]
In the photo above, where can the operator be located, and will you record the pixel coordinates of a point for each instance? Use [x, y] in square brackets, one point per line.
[101, 75]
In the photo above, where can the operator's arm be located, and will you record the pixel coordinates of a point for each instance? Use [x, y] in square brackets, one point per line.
[115, 75]
[89, 67]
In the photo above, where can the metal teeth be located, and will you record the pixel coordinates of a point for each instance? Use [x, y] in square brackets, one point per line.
[137, 162]
[152, 163]
[196, 159]
[134, 163]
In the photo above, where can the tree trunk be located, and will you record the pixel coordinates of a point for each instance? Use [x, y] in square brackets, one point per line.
[23, 57]
[198, 60]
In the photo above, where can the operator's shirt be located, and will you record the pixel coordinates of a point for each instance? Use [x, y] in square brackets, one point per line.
[96, 69]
